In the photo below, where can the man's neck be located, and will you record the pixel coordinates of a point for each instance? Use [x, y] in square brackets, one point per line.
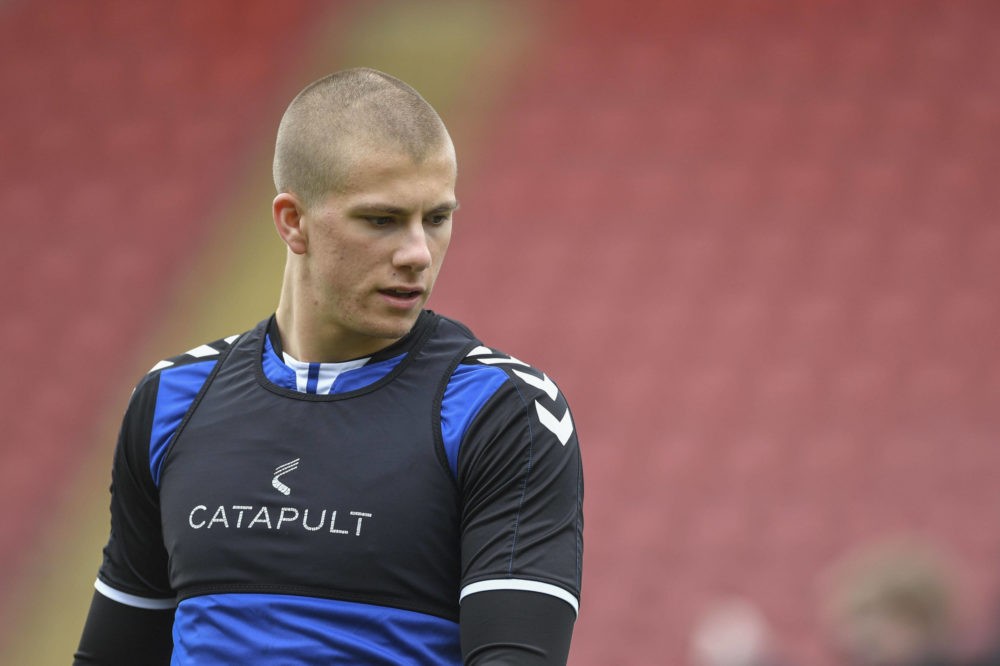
[312, 342]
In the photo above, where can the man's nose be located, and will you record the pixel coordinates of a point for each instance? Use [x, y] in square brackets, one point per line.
[414, 251]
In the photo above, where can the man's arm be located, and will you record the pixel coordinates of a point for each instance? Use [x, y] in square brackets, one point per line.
[521, 480]
[117, 634]
[131, 614]
[515, 628]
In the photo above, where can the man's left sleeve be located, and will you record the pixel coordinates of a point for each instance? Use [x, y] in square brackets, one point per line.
[511, 628]
[521, 479]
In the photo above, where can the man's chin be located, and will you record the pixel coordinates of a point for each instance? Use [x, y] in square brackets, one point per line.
[396, 328]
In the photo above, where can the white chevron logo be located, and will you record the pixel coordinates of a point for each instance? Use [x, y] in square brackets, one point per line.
[561, 428]
[280, 471]
[543, 383]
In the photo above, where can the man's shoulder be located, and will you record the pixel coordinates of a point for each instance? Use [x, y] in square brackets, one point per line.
[209, 351]
[531, 385]
[176, 380]
[485, 357]
[191, 367]
[484, 371]
[483, 360]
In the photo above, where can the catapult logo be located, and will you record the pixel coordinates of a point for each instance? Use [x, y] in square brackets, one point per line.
[242, 516]
[280, 471]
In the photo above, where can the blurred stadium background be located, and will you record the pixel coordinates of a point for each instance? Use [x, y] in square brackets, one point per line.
[757, 243]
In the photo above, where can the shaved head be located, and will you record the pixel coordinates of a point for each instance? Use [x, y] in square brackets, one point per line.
[343, 115]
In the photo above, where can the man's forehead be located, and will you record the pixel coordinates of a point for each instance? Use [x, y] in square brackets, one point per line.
[380, 165]
[358, 146]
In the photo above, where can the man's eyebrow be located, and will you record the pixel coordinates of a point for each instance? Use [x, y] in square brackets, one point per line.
[377, 208]
[447, 207]
[389, 209]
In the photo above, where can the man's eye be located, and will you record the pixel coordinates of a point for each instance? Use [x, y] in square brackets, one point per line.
[380, 221]
[437, 220]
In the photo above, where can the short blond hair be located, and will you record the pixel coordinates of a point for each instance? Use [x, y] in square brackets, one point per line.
[334, 117]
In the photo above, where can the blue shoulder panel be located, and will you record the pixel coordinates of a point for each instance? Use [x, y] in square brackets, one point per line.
[468, 390]
[177, 390]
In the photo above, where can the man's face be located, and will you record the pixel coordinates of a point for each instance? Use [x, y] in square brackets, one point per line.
[374, 248]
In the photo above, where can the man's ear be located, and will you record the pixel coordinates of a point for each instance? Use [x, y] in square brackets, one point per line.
[288, 215]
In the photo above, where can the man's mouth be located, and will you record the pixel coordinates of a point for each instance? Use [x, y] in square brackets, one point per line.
[402, 293]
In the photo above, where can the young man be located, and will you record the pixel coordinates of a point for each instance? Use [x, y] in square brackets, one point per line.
[356, 480]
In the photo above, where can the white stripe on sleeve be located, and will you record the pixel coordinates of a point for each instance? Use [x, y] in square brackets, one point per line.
[131, 599]
[519, 584]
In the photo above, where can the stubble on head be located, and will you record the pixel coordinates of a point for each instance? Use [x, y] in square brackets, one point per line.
[339, 119]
